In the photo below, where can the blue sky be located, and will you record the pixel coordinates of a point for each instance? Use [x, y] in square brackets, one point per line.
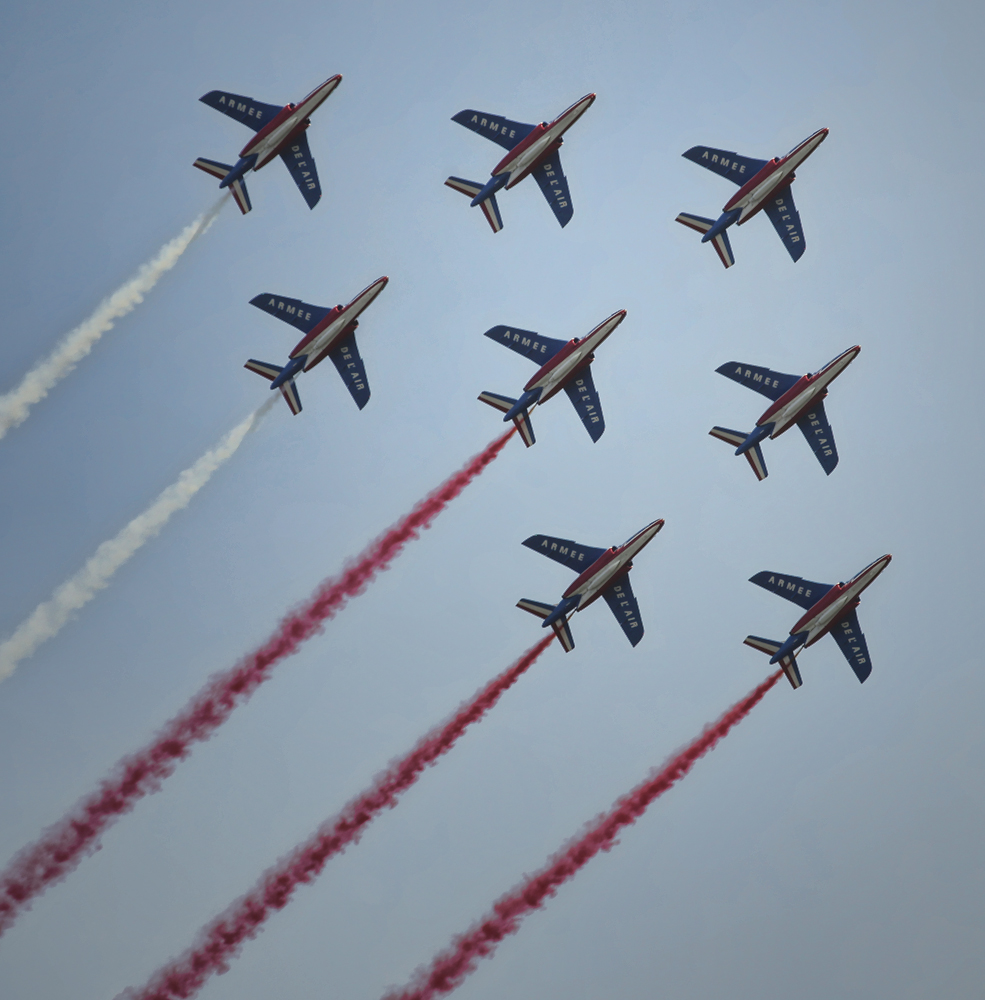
[832, 845]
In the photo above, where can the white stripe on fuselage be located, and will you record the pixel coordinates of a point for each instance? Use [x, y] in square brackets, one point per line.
[600, 581]
[563, 369]
[752, 200]
[834, 610]
[821, 381]
[267, 149]
[532, 153]
[323, 341]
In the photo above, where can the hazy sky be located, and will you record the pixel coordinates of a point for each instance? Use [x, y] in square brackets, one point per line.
[831, 847]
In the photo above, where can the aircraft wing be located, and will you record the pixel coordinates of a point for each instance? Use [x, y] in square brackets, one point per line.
[806, 593]
[851, 641]
[765, 381]
[495, 127]
[297, 159]
[815, 427]
[725, 163]
[786, 221]
[563, 550]
[584, 398]
[554, 186]
[622, 603]
[350, 366]
[252, 114]
[526, 342]
[299, 314]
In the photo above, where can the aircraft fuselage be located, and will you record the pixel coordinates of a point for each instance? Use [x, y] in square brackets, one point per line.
[572, 358]
[289, 123]
[805, 393]
[612, 564]
[837, 602]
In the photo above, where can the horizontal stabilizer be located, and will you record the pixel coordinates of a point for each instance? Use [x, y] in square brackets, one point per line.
[623, 604]
[240, 195]
[563, 550]
[496, 128]
[531, 345]
[788, 663]
[269, 372]
[297, 159]
[490, 207]
[252, 114]
[502, 403]
[554, 186]
[213, 167]
[581, 391]
[765, 381]
[350, 366]
[721, 242]
[804, 593]
[537, 608]
[754, 455]
[301, 315]
[815, 427]
[290, 393]
[786, 221]
[851, 642]
[725, 163]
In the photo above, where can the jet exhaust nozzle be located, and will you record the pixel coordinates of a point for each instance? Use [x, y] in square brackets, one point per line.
[757, 435]
[294, 366]
[490, 188]
[561, 611]
[724, 221]
[789, 646]
[524, 402]
[241, 168]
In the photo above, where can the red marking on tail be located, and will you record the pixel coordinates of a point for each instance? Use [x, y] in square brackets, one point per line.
[450, 968]
[62, 846]
[220, 940]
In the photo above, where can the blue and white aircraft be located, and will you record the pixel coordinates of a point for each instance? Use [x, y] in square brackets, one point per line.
[601, 573]
[328, 333]
[279, 132]
[796, 400]
[828, 609]
[532, 149]
[764, 184]
[562, 366]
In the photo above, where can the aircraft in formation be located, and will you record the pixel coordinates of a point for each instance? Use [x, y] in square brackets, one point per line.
[763, 184]
[279, 132]
[828, 609]
[601, 573]
[562, 366]
[533, 149]
[796, 400]
[328, 333]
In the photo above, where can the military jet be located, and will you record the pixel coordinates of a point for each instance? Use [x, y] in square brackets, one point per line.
[796, 400]
[328, 333]
[279, 132]
[828, 609]
[601, 573]
[562, 366]
[764, 184]
[532, 149]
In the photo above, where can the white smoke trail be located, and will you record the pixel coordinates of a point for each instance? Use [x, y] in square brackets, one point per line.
[36, 384]
[48, 618]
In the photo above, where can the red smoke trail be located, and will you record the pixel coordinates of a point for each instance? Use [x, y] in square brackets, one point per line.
[220, 940]
[449, 968]
[62, 846]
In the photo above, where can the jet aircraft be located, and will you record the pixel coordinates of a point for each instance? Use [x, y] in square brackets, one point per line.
[279, 132]
[764, 184]
[828, 609]
[601, 573]
[328, 333]
[532, 149]
[796, 400]
[562, 366]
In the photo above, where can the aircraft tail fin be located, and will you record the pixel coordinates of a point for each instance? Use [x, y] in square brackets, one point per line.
[220, 170]
[721, 242]
[754, 455]
[504, 404]
[789, 663]
[270, 372]
[490, 207]
[561, 628]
